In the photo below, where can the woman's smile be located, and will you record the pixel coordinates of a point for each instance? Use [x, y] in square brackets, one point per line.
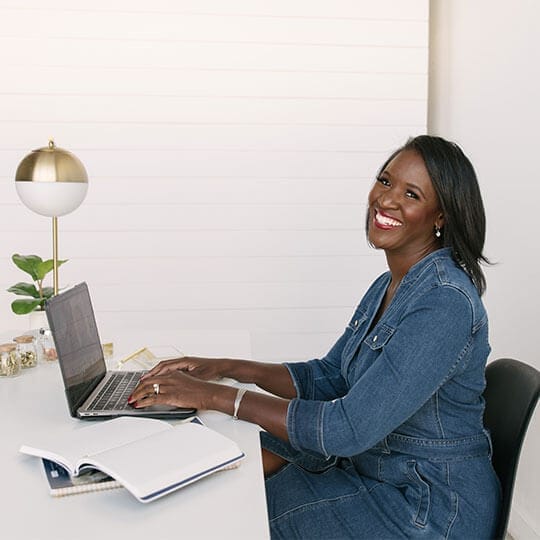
[384, 221]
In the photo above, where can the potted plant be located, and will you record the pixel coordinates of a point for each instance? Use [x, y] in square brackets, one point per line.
[35, 292]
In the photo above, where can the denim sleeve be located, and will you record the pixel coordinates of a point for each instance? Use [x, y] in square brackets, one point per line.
[321, 379]
[425, 350]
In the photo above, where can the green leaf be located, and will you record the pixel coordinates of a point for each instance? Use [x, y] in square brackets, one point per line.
[38, 269]
[22, 307]
[27, 263]
[24, 289]
[47, 292]
[44, 267]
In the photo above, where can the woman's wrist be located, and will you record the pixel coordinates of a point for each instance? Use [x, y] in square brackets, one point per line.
[219, 397]
[235, 369]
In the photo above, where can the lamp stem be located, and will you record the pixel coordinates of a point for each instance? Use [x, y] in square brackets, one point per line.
[55, 254]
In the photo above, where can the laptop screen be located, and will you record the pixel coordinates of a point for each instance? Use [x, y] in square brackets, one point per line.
[73, 326]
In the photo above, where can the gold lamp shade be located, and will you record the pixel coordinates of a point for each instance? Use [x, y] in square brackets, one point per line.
[51, 182]
[51, 164]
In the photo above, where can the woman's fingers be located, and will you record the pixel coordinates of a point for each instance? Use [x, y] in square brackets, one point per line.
[149, 395]
[201, 368]
[166, 366]
[175, 388]
[142, 390]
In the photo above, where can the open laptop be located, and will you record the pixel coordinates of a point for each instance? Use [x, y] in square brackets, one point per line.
[91, 390]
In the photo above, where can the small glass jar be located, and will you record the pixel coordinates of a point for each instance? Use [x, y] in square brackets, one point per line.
[10, 362]
[46, 345]
[27, 351]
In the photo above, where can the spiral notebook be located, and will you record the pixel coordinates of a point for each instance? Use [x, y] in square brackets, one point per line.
[61, 483]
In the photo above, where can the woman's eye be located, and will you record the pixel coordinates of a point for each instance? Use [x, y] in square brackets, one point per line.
[383, 181]
[411, 194]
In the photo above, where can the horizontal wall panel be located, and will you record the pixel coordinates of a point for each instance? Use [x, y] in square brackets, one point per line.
[148, 26]
[211, 217]
[147, 244]
[145, 136]
[195, 163]
[279, 320]
[135, 271]
[356, 9]
[38, 114]
[171, 295]
[127, 81]
[231, 57]
[104, 191]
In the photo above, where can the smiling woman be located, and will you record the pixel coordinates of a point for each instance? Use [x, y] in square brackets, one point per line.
[383, 436]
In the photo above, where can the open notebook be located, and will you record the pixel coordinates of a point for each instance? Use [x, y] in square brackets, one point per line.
[123, 448]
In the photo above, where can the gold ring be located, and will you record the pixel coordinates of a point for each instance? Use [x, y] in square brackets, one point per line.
[155, 386]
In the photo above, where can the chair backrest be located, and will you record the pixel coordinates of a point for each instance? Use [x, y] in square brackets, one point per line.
[511, 394]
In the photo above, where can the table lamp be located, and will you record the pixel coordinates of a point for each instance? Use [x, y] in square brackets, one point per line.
[52, 182]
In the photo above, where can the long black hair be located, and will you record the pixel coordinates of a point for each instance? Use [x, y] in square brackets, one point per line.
[456, 185]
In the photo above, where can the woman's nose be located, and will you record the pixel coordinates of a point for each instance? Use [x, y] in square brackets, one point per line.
[387, 198]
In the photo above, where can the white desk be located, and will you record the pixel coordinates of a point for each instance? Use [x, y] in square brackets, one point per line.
[229, 504]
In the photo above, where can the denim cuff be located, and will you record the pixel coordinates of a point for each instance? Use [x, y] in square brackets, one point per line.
[302, 376]
[305, 425]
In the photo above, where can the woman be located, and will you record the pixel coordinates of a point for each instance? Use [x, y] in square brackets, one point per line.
[383, 437]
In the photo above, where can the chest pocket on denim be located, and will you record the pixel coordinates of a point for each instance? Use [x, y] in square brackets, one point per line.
[358, 319]
[357, 322]
[379, 337]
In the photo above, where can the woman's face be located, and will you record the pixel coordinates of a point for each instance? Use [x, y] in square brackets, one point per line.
[404, 209]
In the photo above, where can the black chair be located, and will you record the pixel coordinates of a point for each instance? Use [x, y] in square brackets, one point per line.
[511, 394]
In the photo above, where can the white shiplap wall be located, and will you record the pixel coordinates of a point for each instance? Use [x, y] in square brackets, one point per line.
[230, 148]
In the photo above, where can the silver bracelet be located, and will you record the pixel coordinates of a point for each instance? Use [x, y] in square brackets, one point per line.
[237, 401]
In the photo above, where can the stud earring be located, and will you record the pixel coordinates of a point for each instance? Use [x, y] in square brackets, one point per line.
[437, 232]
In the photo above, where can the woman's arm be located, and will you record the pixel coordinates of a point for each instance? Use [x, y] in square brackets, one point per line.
[274, 378]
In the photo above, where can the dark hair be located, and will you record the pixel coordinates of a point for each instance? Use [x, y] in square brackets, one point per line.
[456, 185]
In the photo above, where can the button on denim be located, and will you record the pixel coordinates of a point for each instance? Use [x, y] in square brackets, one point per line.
[386, 434]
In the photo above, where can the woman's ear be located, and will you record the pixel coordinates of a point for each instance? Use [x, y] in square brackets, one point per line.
[439, 223]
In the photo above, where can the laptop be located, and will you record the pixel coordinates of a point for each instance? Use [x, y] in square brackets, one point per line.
[92, 391]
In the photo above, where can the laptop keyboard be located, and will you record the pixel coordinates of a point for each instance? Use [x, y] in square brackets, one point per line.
[114, 394]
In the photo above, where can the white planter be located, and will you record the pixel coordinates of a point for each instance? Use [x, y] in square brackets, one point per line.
[37, 320]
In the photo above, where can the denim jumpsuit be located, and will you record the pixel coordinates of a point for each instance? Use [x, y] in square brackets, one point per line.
[386, 438]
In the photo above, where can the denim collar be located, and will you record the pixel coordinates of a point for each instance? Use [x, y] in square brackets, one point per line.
[416, 269]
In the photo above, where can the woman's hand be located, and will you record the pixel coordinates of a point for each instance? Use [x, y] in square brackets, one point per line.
[173, 387]
[206, 369]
